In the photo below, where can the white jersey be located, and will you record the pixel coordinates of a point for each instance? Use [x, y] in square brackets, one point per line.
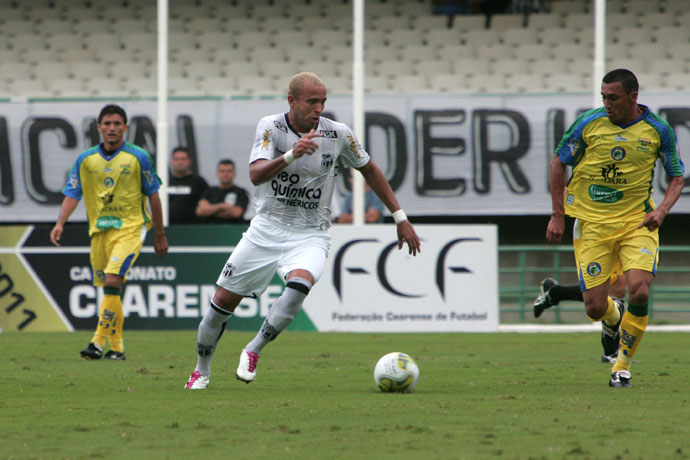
[300, 195]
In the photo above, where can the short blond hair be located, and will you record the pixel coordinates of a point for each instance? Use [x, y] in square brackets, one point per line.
[297, 82]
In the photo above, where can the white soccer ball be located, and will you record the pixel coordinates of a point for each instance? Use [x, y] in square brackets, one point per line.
[396, 372]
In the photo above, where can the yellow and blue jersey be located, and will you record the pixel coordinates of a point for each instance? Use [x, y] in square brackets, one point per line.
[114, 187]
[613, 165]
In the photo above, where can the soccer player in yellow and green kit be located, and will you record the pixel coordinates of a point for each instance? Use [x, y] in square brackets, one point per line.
[613, 151]
[115, 178]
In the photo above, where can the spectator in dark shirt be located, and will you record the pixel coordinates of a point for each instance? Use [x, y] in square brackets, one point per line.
[225, 203]
[185, 188]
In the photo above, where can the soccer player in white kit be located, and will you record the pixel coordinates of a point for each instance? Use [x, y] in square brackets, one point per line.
[293, 163]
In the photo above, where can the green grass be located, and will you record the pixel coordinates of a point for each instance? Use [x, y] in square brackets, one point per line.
[493, 396]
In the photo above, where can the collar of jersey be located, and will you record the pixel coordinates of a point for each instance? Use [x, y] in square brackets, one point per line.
[644, 114]
[101, 151]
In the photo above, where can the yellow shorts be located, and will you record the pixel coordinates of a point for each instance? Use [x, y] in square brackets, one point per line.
[606, 250]
[114, 251]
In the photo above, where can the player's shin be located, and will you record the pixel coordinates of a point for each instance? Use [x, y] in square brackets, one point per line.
[281, 314]
[109, 317]
[210, 331]
[633, 327]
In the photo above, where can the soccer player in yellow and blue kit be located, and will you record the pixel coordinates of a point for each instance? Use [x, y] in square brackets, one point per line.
[115, 178]
[613, 151]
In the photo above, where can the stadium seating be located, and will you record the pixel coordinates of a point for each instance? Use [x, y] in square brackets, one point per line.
[103, 47]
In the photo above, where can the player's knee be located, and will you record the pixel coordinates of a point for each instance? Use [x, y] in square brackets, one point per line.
[299, 284]
[226, 300]
[639, 293]
[595, 310]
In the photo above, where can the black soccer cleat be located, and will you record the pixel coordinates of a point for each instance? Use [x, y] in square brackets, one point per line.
[611, 335]
[115, 355]
[620, 379]
[91, 352]
[544, 300]
[610, 359]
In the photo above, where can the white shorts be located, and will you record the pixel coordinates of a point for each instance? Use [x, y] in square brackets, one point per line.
[267, 247]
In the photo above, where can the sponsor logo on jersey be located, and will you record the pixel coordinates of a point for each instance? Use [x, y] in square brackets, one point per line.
[107, 198]
[148, 176]
[612, 174]
[618, 153]
[125, 169]
[73, 181]
[327, 160]
[329, 134]
[602, 194]
[107, 170]
[644, 141]
[108, 222]
[108, 182]
[593, 269]
[646, 251]
[280, 126]
[620, 138]
[266, 139]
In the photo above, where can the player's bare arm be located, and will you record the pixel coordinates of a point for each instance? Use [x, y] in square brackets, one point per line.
[160, 242]
[378, 183]
[69, 204]
[654, 219]
[556, 226]
[262, 170]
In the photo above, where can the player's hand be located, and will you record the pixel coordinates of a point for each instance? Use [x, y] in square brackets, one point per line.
[554, 231]
[653, 220]
[407, 234]
[160, 244]
[56, 234]
[306, 145]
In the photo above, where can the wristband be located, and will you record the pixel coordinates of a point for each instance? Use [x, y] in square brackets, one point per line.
[288, 157]
[399, 216]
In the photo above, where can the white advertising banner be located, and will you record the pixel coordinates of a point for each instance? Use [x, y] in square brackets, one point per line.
[442, 154]
[371, 286]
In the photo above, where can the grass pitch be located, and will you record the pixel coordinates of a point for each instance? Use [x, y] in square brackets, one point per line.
[480, 396]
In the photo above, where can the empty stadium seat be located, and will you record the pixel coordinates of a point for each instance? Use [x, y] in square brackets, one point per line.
[409, 83]
[445, 83]
[507, 67]
[432, 67]
[564, 83]
[678, 81]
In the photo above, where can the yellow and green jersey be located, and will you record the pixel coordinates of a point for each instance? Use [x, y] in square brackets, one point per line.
[114, 187]
[613, 165]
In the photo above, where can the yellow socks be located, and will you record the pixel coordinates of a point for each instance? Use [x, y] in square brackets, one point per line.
[611, 316]
[110, 320]
[633, 327]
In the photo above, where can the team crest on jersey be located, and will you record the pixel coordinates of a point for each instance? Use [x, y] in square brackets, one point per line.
[73, 181]
[100, 274]
[353, 146]
[593, 269]
[108, 182]
[618, 153]
[327, 160]
[266, 139]
[329, 134]
[228, 269]
[280, 126]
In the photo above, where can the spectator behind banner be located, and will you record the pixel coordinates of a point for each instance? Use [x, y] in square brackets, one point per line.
[225, 203]
[373, 207]
[185, 188]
